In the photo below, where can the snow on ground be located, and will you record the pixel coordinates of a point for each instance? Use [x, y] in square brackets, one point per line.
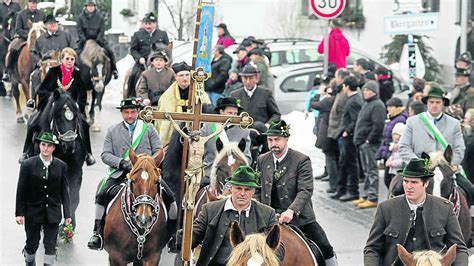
[302, 138]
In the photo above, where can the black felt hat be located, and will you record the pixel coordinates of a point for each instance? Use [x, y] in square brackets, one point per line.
[50, 19]
[159, 54]
[178, 67]
[128, 103]
[249, 70]
[227, 101]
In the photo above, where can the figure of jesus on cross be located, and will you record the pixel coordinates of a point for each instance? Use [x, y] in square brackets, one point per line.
[196, 154]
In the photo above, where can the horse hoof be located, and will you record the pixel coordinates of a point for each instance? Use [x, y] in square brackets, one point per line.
[20, 120]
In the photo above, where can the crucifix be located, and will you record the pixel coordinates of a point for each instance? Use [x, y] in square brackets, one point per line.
[192, 167]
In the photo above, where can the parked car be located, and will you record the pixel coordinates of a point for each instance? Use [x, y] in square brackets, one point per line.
[295, 63]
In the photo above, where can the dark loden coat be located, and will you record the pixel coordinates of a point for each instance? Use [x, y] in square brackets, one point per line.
[47, 43]
[90, 26]
[143, 43]
[295, 186]
[50, 84]
[220, 68]
[39, 197]
[323, 142]
[262, 107]
[21, 24]
[391, 226]
[211, 226]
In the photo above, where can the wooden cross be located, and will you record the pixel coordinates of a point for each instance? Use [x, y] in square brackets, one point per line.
[196, 117]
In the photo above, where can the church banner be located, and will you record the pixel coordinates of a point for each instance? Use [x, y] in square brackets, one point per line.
[204, 51]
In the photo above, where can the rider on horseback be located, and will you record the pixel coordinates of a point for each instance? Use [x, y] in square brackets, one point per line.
[64, 77]
[22, 27]
[8, 13]
[130, 133]
[144, 41]
[91, 26]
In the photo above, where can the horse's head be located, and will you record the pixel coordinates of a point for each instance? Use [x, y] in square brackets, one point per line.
[440, 164]
[63, 118]
[144, 179]
[428, 257]
[254, 249]
[94, 57]
[229, 157]
[36, 29]
[52, 59]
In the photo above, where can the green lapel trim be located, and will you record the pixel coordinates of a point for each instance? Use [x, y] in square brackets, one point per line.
[439, 136]
[134, 145]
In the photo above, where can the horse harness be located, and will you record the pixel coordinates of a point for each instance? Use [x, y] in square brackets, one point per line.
[68, 135]
[455, 198]
[128, 209]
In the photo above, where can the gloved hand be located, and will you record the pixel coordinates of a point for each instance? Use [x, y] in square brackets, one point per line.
[179, 238]
[125, 165]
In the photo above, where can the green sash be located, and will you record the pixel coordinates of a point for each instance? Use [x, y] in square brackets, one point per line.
[438, 135]
[111, 170]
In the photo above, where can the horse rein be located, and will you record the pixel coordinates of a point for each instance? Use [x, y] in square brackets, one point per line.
[454, 197]
[128, 209]
[69, 135]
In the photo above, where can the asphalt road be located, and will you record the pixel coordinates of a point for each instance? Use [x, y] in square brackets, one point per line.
[346, 227]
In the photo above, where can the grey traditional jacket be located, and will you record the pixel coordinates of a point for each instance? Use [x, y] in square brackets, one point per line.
[118, 140]
[294, 186]
[392, 223]
[234, 134]
[417, 138]
[212, 225]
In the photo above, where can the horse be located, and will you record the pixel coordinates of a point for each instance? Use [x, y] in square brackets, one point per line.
[63, 118]
[5, 36]
[96, 71]
[427, 257]
[444, 184]
[135, 225]
[23, 68]
[52, 59]
[130, 92]
[259, 249]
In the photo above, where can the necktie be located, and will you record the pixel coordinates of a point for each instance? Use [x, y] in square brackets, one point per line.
[131, 128]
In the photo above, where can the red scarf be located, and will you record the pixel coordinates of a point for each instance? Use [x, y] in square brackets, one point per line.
[67, 75]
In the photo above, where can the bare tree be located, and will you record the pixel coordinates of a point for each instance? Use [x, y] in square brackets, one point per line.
[183, 16]
[289, 22]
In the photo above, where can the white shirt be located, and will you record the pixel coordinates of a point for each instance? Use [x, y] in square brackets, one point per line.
[433, 118]
[275, 159]
[127, 125]
[230, 206]
[414, 207]
[46, 163]
[250, 92]
[158, 70]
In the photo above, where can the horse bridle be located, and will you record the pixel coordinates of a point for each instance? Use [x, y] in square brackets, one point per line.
[69, 135]
[131, 220]
[454, 197]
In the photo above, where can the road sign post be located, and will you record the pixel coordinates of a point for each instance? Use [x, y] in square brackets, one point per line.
[327, 9]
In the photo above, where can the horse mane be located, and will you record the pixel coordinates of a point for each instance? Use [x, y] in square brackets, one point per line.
[427, 257]
[91, 53]
[227, 150]
[36, 26]
[55, 106]
[253, 244]
[437, 159]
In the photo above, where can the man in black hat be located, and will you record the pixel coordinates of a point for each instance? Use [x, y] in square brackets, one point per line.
[463, 92]
[91, 26]
[257, 101]
[416, 220]
[8, 13]
[53, 40]
[154, 81]
[231, 134]
[220, 66]
[225, 39]
[212, 226]
[175, 99]
[131, 133]
[31, 13]
[146, 40]
[42, 189]
[286, 176]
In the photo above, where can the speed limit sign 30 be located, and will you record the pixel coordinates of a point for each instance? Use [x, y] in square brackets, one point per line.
[327, 9]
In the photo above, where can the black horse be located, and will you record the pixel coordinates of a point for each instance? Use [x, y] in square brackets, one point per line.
[63, 118]
[96, 71]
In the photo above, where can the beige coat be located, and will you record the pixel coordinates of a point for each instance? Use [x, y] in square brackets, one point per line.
[170, 101]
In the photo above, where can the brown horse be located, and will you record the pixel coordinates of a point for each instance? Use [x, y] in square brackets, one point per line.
[135, 227]
[259, 249]
[23, 68]
[427, 257]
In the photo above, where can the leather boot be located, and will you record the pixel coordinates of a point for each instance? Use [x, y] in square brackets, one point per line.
[90, 160]
[29, 258]
[171, 227]
[96, 242]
